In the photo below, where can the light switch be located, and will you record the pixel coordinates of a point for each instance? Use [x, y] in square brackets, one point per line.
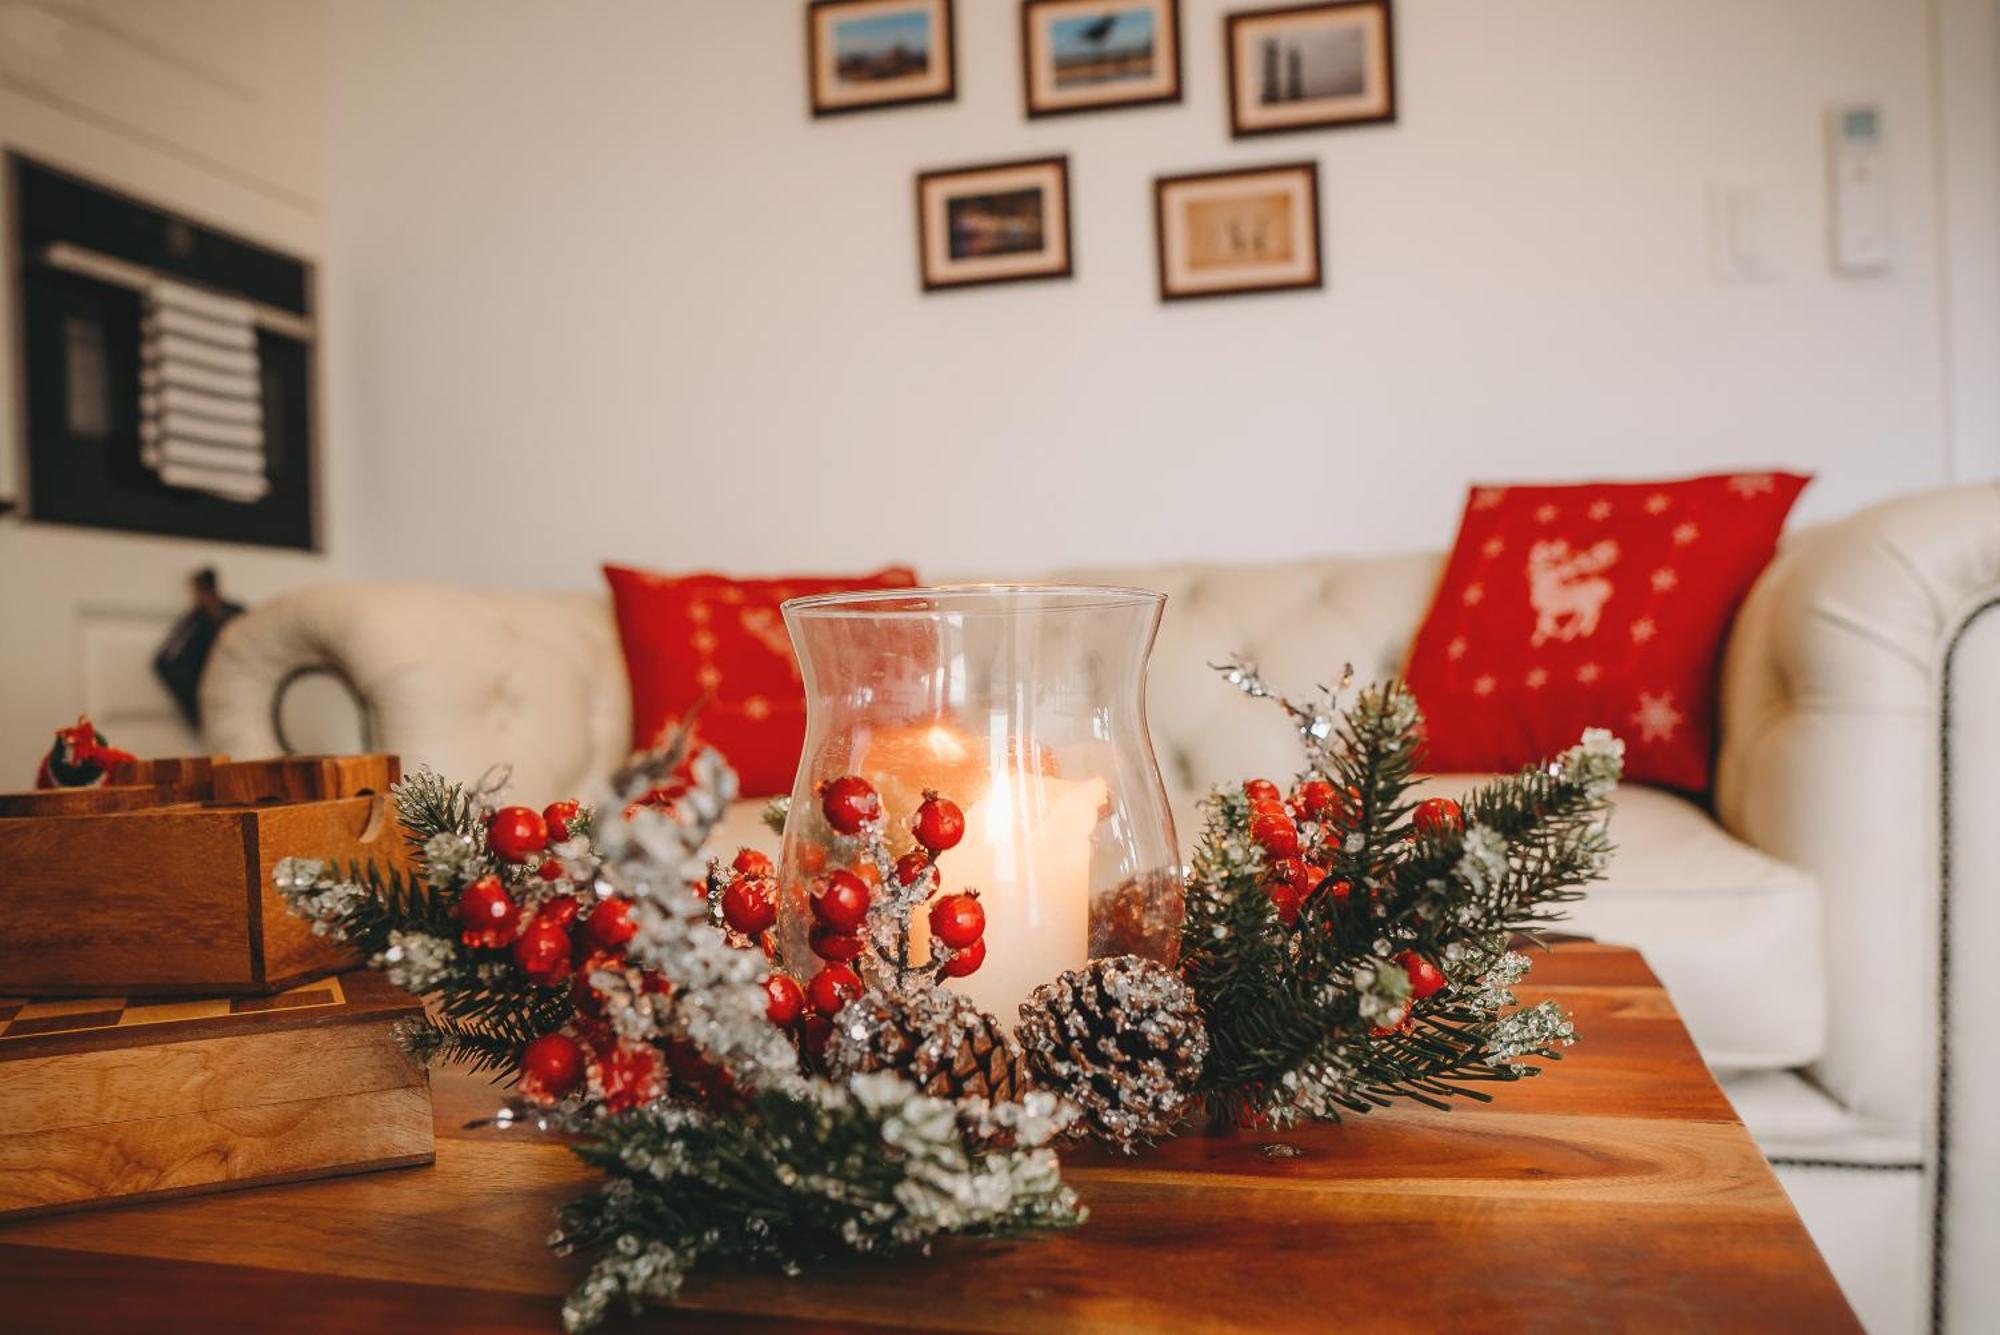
[1738, 241]
[1859, 170]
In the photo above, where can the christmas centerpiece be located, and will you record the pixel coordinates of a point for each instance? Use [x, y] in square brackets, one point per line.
[842, 1090]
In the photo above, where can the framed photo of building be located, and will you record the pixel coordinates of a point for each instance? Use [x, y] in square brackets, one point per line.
[1227, 233]
[1092, 55]
[867, 54]
[1311, 67]
[1001, 222]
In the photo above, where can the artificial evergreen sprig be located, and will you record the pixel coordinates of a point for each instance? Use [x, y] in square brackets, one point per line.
[1350, 950]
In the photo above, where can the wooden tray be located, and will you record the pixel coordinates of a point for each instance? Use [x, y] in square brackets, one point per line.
[112, 1099]
[150, 885]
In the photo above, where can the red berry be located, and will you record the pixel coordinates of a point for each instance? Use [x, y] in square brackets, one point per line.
[1260, 790]
[938, 824]
[752, 863]
[1340, 890]
[1309, 881]
[610, 924]
[559, 817]
[958, 921]
[784, 1000]
[1287, 899]
[967, 961]
[1425, 977]
[849, 803]
[517, 833]
[587, 998]
[561, 911]
[818, 1031]
[488, 914]
[832, 988]
[831, 943]
[551, 870]
[1290, 871]
[543, 952]
[750, 905]
[1318, 800]
[915, 866]
[551, 1066]
[1276, 835]
[1438, 815]
[840, 900]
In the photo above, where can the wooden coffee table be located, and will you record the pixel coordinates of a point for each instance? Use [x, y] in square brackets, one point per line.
[1617, 1193]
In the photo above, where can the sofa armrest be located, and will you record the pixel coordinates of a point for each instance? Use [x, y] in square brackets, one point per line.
[1861, 741]
[451, 678]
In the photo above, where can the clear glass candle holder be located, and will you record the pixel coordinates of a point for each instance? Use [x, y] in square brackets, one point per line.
[1025, 705]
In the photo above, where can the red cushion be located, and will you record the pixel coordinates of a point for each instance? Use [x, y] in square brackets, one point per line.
[686, 635]
[1595, 605]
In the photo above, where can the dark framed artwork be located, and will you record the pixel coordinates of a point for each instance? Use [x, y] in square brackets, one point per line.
[168, 368]
[1310, 67]
[998, 222]
[1095, 55]
[863, 55]
[1243, 230]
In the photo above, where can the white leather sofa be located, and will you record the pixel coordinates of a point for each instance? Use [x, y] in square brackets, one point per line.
[1824, 929]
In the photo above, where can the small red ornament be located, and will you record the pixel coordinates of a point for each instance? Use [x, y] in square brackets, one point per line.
[1438, 815]
[938, 824]
[1261, 790]
[832, 943]
[966, 961]
[551, 1066]
[833, 987]
[551, 871]
[517, 833]
[840, 900]
[749, 862]
[750, 905]
[543, 952]
[610, 924]
[630, 1074]
[849, 803]
[784, 1000]
[1425, 977]
[915, 866]
[1287, 899]
[1277, 835]
[558, 817]
[489, 916]
[1340, 890]
[958, 921]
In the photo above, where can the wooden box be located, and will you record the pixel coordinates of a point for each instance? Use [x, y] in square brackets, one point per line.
[160, 882]
[107, 1100]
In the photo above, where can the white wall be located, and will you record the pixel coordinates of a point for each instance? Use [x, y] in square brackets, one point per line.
[603, 289]
[213, 108]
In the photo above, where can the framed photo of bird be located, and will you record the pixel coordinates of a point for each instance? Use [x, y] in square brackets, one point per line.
[1311, 67]
[1094, 55]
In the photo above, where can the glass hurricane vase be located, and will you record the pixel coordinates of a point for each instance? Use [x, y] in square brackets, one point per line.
[1025, 705]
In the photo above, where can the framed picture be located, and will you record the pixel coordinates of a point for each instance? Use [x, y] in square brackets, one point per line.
[1090, 55]
[1245, 230]
[1311, 67]
[865, 54]
[998, 223]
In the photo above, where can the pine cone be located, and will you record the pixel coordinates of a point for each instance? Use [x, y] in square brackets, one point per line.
[934, 1038]
[1121, 1038]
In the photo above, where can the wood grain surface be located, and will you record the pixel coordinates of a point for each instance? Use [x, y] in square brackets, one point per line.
[1616, 1193]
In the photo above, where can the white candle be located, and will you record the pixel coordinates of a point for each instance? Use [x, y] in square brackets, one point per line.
[1026, 849]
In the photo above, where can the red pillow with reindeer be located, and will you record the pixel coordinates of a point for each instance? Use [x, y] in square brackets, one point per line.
[690, 636]
[1596, 605]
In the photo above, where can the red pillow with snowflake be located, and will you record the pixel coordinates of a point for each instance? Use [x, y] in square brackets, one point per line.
[1595, 605]
[690, 635]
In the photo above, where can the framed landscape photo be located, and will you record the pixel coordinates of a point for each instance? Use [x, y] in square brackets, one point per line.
[865, 54]
[1091, 55]
[1001, 222]
[1226, 233]
[1311, 67]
